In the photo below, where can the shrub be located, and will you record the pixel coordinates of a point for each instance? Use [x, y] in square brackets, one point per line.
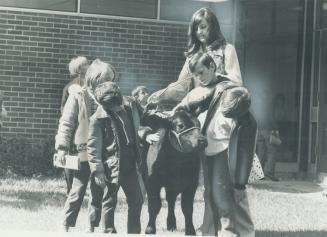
[19, 156]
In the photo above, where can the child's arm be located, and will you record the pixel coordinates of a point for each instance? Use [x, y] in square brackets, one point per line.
[94, 150]
[198, 98]
[94, 146]
[177, 90]
[67, 124]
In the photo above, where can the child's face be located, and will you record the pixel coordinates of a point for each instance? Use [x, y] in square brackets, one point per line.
[203, 74]
[143, 96]
[110, 97]
[202, 31]
[83, 70]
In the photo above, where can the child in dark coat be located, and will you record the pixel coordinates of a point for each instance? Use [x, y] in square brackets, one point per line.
[114, 157]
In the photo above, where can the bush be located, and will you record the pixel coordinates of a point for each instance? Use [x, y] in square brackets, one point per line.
[19, 156]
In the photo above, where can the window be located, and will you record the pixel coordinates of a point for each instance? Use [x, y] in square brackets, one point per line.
[54, 5]
[322, 13]
[182, 10]
[271, 35]
[129, 8]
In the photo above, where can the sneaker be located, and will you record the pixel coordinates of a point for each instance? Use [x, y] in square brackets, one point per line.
[110, 230]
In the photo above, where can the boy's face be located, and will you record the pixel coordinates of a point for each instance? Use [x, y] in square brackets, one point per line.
[110, 97]
[143, 96]
[203, 74]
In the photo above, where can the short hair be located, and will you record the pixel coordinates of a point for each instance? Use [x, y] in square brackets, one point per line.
[203, 58]
[75, 65]
[98, 73]
[136, 91]
[235, 102]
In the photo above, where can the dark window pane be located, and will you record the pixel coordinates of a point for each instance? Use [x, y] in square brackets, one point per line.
[322, 14]
[130, 8]
[271, 42]
[182, 10]
[55, 5]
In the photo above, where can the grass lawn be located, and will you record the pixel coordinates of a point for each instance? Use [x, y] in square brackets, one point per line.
[278, 209]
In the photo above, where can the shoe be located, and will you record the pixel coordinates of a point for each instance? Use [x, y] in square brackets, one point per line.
[90, 229]
[271, 177]
[110, 230]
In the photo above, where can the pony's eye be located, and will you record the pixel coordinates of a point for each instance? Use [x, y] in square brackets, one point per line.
[180, 126]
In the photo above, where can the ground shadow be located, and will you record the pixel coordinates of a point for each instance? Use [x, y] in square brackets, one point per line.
[291, 186]
[36, 200]
[31, 200]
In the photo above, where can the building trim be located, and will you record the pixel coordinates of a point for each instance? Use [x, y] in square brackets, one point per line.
[158, 10]
[302, 82]
[79, 6]
[314, 109]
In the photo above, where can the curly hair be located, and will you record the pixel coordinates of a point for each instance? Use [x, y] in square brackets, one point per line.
[235, 102]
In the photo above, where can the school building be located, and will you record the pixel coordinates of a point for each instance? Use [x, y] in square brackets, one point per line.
[281, 45]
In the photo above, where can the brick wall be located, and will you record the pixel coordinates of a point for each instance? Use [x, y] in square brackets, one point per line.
[36, 47]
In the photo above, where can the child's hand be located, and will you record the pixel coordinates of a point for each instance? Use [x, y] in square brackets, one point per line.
[151, 138]
[180, 106]
[61, 156]
[100, 179]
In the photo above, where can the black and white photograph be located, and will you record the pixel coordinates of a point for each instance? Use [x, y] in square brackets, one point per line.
[163, 118]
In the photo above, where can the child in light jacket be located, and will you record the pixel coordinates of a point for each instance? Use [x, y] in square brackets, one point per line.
[221, 105]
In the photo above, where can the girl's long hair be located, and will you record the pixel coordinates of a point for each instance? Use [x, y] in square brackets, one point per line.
[216, 38]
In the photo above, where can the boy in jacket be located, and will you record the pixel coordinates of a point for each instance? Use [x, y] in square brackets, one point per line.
[71, 139]
[223, 105]
[114, 156]
[77, 69]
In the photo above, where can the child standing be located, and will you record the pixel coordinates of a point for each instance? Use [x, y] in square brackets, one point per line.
[73, 128]
[77, 69]
[222, 200]
[114, 156]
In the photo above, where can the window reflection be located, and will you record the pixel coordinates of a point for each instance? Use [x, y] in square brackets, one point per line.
[129, 8]
[270, 38]
[54, 5]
